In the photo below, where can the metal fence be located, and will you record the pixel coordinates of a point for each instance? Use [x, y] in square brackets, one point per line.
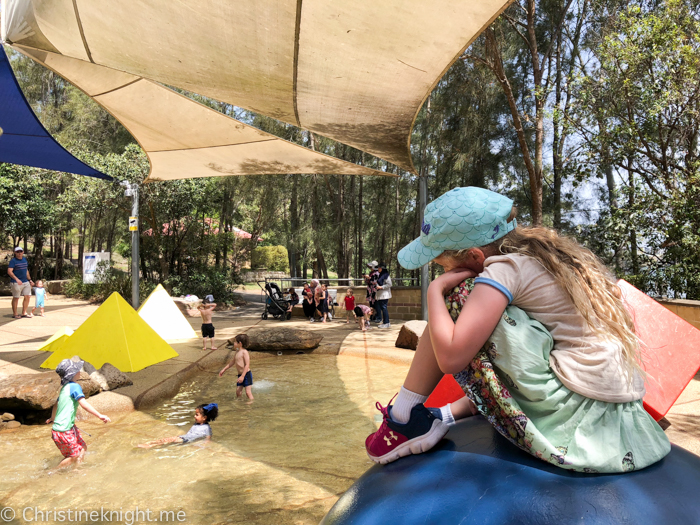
[292, 282]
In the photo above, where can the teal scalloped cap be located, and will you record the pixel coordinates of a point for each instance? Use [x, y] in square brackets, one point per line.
[460, 219]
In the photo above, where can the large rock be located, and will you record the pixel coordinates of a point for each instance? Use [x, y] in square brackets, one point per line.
[56, 287]
[107, 403]
[474, 476]
[7, 417]
[277, 339]
[108, 377]
[29, 391]
[9, 425]
[38, 391]
[114, 377]
[89, 386]
[95, 376]
[410, 333]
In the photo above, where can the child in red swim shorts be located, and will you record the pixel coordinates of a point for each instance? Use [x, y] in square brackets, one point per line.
[64, 432]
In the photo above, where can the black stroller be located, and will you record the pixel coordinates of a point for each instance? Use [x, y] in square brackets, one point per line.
[275, 303]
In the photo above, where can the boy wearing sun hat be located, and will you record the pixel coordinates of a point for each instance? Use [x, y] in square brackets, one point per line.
[64, 432]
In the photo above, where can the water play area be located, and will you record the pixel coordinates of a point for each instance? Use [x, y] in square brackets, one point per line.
[285, 458]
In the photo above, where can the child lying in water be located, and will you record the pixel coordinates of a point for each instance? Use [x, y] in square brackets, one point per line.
[203, 415]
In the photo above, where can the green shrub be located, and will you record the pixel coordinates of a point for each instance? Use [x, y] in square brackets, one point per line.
[109, 280]
[273, 258]
[123, 248]
[219, 283]
[48, 269]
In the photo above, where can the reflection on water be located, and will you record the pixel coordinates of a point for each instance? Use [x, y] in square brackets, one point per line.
[285, 458]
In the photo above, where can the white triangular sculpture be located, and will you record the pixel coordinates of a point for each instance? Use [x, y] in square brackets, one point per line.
[162, 314]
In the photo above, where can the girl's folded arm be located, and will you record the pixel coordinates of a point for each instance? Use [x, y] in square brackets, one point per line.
[456, 344]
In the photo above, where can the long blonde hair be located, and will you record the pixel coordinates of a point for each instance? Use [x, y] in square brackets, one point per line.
[586, 280]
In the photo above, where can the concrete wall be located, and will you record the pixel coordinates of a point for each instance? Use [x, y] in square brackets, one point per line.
[687, 310]
[53, 287]
[404, 304]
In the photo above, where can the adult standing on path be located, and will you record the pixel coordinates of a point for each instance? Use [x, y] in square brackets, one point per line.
[21, 283]
[383, 295]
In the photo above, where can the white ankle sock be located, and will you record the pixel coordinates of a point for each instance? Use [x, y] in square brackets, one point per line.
[405, 401]
[447, 416]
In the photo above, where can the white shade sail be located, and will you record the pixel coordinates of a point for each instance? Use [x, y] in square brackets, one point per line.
[183, 138]
[357, 72]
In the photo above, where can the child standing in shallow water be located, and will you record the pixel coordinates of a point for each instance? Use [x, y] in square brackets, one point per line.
[64, 432]
[242, 362]
[203, 415]
[543, 346]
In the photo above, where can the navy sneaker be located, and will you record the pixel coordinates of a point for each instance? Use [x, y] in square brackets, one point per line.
[394, 440]
[435, 412]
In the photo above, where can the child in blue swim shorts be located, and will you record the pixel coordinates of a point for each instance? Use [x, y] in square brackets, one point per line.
[241, 360]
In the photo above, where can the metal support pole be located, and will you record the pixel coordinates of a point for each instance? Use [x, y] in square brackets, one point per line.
[424, 274]
[135, 247]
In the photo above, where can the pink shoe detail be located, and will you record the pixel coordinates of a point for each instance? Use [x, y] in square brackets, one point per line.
[394, 440]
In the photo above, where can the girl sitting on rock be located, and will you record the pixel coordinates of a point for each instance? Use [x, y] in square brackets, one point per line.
[543, 346]
[203, 415]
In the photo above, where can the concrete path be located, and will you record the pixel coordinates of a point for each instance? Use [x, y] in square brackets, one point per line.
[684, 417]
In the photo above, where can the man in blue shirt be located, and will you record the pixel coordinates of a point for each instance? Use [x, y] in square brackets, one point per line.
[20, 283]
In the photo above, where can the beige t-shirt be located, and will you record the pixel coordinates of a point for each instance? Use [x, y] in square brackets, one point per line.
[584, 362]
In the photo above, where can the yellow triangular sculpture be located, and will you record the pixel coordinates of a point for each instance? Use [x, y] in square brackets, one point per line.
[114, 334]
[163, 315]
[54, 342]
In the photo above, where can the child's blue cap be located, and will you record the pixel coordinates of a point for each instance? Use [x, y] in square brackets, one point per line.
[460, 219]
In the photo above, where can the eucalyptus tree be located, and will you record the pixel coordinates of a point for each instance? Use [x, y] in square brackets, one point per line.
[639, 110]
[519, 48]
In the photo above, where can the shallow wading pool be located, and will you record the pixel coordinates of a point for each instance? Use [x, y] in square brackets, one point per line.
[285, 458]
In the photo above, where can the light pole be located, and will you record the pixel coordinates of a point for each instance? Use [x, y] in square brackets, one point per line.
[424, 275]
[132, 190]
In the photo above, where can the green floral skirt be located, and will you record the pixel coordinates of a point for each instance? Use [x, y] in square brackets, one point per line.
[512, 385]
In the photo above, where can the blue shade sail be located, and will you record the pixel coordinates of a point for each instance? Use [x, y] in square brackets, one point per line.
[24, 139]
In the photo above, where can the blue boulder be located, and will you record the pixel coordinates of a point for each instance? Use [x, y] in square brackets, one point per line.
[475, 476]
